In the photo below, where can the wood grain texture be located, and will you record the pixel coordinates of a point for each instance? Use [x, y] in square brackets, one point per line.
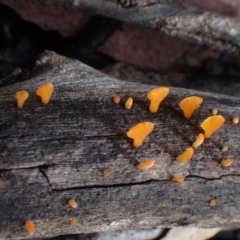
[50, 153]
[173, 17]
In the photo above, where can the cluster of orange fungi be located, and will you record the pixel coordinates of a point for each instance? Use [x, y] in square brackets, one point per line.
[188, 105]
[44, 91]
[31, 228]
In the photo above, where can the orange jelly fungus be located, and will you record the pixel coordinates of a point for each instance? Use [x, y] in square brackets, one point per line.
[139, 132]
[29, 226]
[127, 214]
[145, 164]
[235, 120]
[212, 124]
[116, 99]
[224, 149]
[189, 104]
[21, 97]
[105, 173]
[207, 182]
[212, 202]
[178, 179]
[45, 91]
[226, 162]
[156, 96]
[198, 141]
[72, 203]
[185, 155]
[129, 103]
[73, 222]
[214, 111]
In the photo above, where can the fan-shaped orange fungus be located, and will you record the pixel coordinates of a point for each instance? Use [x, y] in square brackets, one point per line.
[72, 203]
[235, 120]
[198, 141]
[189, 104]
[145, 164]
[129, 103]
[156, 96]
[185, 155]
[212, 124]
[21, 97]
[45, 91]
[105, 173]
[73, 222]
[226, 162]
[214, 111]
[207, 182]
[139, 132]
[29, 226]
[116, 99]
[212, 202]
[178, 179]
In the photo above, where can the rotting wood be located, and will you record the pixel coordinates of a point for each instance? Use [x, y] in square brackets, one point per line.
[51, 153]
[170, 16]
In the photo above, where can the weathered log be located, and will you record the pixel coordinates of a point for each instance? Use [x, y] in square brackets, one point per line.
[173, 17]
[50, 153]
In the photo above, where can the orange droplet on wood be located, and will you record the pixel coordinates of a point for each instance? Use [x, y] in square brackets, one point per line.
[73, 222]
[226, 162]
[21, 97]
[129, 103]
[235, 120]
[45, 91]
[212, 202]
[116, 99]
[211, 124]
[156, 96]
[145, 164]
[198, 141]
[139, 132]
[72, 203]
[224, 149]
[189, 105]
[214, 111]
[178, 179]
[105, 173]
[186, 155]
[29, 226]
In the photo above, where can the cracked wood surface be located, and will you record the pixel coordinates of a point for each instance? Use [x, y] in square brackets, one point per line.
[173, 17]
[50, 153]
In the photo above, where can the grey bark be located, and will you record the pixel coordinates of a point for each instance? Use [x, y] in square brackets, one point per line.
[50, 153]
[170, 16]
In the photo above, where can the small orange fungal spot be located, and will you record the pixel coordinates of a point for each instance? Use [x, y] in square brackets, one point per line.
[129, 103]
[105, 173]
[127, 214]
[116, 99]
[235, 120]
[21, 97]
[198, 141]
[189, 105]
[178, 179]
[139, 132]
[29, 226]
[45, 91]
[145, 164]
[186, 155]
[214, 111]
[73, 222]
[207, 182]
[156, 96]
[212, 124]
[72, 203]
[226, 162]
[224, 149]
[212, 202]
